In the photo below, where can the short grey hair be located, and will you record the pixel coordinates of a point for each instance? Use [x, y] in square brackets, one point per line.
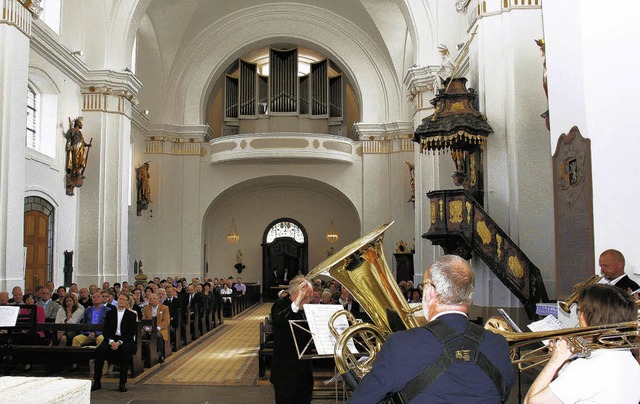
[295, 284]
[453, 279]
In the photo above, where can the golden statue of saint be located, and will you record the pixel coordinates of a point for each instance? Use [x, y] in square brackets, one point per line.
[76, 148]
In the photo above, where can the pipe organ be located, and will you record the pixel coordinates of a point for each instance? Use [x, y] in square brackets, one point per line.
[285, 91]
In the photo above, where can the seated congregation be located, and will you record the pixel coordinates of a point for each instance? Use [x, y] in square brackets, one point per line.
[130, 326]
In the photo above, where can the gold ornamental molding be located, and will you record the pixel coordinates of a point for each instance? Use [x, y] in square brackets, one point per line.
[515, 266]
[110, 91]
[487, 8]
[455, 212]
[484, 232]
[19, 14]
[385, 138]
[176, 140]
[107, 99]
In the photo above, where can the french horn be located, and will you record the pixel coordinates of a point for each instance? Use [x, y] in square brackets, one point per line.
[363, 270]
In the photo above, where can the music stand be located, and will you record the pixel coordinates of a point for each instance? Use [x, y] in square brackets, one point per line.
[305, 352]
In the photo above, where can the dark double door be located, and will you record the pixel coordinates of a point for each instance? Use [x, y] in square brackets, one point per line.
[283, 253]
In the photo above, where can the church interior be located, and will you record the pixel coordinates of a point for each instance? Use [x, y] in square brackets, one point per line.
[259, 139]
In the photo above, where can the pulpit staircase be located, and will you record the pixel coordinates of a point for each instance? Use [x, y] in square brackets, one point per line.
[461, 226]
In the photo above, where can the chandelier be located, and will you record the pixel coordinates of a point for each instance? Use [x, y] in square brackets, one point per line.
[233, 236]
[332, 233]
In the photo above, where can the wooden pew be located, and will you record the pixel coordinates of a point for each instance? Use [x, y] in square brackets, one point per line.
[149, 345]
[53, 356]
[265, 351]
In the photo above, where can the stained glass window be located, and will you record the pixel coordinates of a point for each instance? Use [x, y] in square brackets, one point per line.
[285, 229]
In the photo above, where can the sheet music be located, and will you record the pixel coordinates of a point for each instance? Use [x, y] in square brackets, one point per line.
[318, 316]
[9, 316]
[509, 320]
[546, 324]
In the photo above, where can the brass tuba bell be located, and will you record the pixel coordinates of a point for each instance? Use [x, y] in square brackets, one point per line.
[363, 270]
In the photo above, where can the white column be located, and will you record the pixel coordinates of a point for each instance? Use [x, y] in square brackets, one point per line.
[15, 26]
[422, 84]
[102, 200]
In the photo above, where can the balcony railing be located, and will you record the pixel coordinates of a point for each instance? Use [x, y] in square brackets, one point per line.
[297, 146]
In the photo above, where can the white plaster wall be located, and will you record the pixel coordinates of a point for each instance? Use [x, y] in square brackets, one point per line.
[44, 176]
[518, 160]
[403, 212]
[14, 51]
[256, 207]
[591, 58]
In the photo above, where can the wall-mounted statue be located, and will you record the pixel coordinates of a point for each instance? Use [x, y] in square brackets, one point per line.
[77, 155]
[144, 188]
[239, 266]
[412, 183]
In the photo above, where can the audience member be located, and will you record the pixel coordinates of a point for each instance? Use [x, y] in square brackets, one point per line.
[92, 315]
[70, 313]
[17, 295]
[163, 318]
[118, 344]
[240, 287]
[50, 307]
[84, 299]
[4, 298]
[326, 297]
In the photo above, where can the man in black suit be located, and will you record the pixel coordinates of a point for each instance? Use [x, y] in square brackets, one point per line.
[292, 378]
[118, 344]
[612, 269]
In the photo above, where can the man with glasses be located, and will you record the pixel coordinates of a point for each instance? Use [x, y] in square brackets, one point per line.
[448, 360]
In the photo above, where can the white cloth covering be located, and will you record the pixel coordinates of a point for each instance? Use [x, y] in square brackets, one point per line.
[58, 390]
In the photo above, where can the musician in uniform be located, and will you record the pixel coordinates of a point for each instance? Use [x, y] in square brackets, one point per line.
[605, 375]
[612, 268]
[292, 378]
[450, 359]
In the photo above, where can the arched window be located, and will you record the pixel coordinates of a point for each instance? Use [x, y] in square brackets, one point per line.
[285, 229]
[33, 99]
[42, 110]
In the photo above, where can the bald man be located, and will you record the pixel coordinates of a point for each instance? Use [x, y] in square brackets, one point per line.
[612, 270]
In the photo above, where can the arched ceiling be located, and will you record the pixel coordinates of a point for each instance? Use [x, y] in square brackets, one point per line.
[184, 46]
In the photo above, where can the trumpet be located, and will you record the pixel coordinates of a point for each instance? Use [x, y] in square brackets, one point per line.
[583, 340]
[566, 305]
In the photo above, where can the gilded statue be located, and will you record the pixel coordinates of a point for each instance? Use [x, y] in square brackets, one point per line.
[143, 186]
[77, 151]
[76, 148]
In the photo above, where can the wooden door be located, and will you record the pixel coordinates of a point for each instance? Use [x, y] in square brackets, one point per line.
[36, 240]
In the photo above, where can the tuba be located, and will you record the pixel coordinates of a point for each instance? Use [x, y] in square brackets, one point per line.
[362, 268]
